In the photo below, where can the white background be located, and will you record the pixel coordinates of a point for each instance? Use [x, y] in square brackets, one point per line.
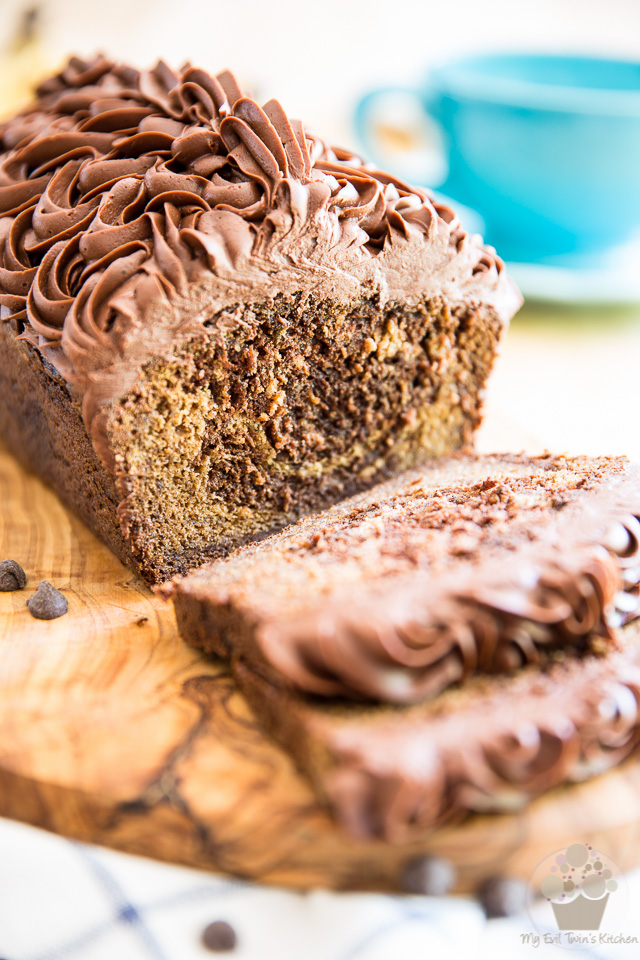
[318, 56]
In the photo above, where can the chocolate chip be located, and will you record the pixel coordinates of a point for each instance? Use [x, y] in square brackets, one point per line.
[47, 603]
[219, 937]
[430, 876]
[503, 896]
[12, 576]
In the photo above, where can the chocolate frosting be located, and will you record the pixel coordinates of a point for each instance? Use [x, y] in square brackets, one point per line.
[412, 637]
[490, 747]
[409, 593]
[135, 206]
[413, 640]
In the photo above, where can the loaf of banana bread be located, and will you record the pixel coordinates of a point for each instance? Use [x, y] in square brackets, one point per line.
[454, 640]
[213, 322]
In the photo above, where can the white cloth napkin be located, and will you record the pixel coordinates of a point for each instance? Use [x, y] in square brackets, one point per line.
[60, 899]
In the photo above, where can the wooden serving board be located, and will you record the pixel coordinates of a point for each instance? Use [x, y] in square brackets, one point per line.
[112, 730]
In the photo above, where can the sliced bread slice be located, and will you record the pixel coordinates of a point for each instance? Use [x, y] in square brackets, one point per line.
[474, 565]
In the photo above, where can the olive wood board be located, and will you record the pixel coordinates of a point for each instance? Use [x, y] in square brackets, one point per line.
[114, 731]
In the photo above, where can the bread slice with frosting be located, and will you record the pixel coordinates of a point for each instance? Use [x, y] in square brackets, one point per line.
[490, 746]
[450, 641]
[213, 322]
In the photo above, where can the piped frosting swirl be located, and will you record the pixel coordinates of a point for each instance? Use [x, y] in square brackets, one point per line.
[135, 205]
[415, 588]
[493, 750]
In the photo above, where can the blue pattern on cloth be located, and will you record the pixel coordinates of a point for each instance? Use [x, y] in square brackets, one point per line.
[64, 900]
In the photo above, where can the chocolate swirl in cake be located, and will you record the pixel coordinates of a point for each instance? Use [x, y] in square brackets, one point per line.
[136, 205]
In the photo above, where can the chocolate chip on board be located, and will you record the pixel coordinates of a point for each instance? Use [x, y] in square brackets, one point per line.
[429, 876]
[12, 576]
[219, 937]
[47, 603]
[502, 896]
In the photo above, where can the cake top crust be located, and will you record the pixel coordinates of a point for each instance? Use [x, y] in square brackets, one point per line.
[476, 564]
[135, 205]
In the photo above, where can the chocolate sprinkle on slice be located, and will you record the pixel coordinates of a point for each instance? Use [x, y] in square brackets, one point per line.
[502, 897]
[429, 876]
[47, 603]
[12, 576]
[219, 937]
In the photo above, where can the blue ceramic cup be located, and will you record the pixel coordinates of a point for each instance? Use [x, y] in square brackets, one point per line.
[546, 148]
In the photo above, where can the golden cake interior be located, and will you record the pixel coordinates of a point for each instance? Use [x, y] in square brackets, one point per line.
[302, 403]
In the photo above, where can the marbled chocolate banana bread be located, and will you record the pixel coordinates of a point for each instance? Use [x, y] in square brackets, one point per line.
[490, 746]
[213, 322]
[451, 641]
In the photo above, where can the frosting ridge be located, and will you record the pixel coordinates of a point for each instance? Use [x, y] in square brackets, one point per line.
[123, 191]
[413, 591]
[503, 747]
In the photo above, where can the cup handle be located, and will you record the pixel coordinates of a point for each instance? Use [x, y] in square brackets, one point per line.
[424, 164]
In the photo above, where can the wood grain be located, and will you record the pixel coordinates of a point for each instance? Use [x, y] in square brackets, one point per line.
[114, 731]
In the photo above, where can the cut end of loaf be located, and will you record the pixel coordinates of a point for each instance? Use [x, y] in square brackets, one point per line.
[292, 406]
